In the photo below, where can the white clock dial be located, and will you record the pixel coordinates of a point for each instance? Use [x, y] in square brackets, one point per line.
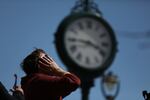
[88, 42]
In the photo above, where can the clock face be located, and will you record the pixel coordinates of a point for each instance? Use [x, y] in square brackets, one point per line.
[88, 42]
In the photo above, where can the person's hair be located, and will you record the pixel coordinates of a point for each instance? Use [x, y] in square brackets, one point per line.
[29, 63]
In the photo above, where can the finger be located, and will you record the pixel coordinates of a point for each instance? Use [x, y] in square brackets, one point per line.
[15, 87]
[49, 59]
[44, 61]
[45, 58]
[45, 68]
[43, 64]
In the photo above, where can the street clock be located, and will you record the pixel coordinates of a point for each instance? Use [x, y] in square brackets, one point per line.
[86, 44]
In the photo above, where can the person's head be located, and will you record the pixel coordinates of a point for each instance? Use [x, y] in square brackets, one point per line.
[29, 64]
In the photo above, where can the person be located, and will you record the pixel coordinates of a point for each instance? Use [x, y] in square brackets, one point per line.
[146, 95]
[17, 93]
[44, 79]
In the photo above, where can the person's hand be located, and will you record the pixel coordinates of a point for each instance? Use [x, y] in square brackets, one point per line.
[17, 89]
[49, 66]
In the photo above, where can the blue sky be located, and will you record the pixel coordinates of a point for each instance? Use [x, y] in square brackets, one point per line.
[25, 24]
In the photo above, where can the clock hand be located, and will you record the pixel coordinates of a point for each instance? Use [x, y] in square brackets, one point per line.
[96, 47]
[87, 42]
[78, 40]
[90, 43]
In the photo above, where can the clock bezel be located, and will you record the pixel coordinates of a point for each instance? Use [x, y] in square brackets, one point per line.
[68, 61]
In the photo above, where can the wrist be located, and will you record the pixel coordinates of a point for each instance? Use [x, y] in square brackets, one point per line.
[61, 72]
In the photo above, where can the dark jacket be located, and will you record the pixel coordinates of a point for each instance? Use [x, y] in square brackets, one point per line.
[44, 87]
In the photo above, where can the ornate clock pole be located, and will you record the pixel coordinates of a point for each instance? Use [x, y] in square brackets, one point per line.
[86, 43]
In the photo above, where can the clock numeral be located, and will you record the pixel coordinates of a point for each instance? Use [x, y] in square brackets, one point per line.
[102, 53]
[80, 26]
[104, 44]
[79, 56]
[96, 59]
[73, 48]
[89, 24]
[102, 35]
[97, 27]
[71, 39]
[87, 60]
[73, 30]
